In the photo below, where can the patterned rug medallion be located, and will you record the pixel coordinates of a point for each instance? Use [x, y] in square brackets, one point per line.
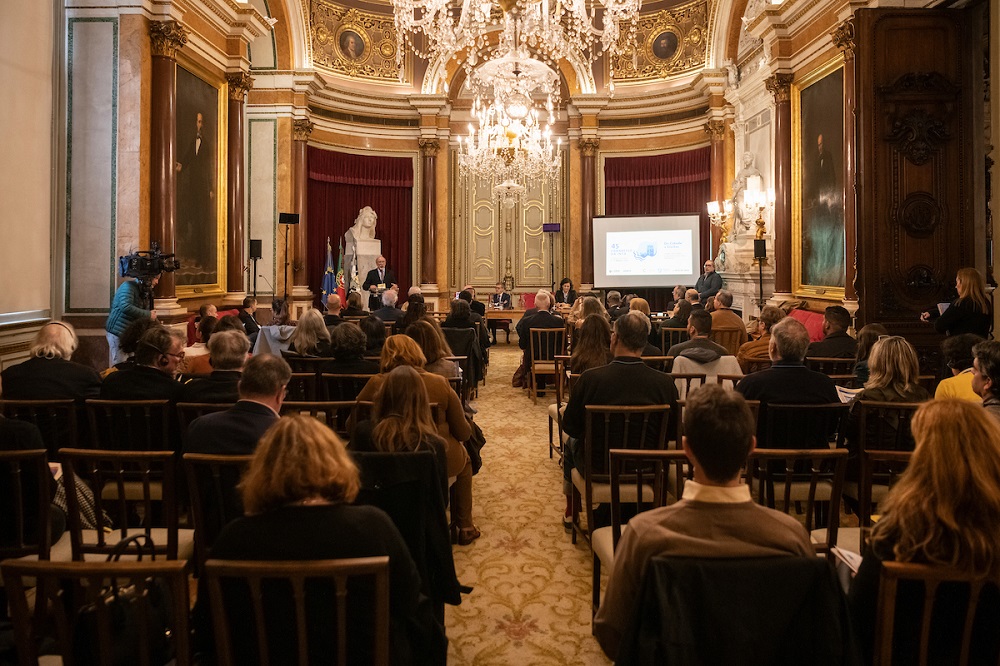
[531, 603]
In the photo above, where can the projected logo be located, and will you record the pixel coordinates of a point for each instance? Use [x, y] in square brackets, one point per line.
[647, 251]
[658, 252]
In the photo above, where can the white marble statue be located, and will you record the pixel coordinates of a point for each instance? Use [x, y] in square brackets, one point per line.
[361, 247]
[740, 220]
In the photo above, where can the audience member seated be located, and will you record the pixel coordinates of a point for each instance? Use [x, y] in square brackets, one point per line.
[355, 305]
[679, 316]
[694, 298]
[566, 294]
[348, 343]
[788, 381]
[676, 296]
[227, 354]
[402, 421]
[415, 310]
[867, 337]
[207, 310]
[201, 365]
[247, 312]
[698, 347]
[956, 352]
[388, 313]
[414, 290]
[157, 356]
[280, 315]
[716, 517]
[457, 319]
[49, 374]
[542, 317]
[971, 312]
[311, 337]
[624, 381]
[723, 318]
[374, 330]
[583, 308]
[757, 350]
[986, 375]
[237, 430]
[943, 511]
[23, 436]
[129, 342]
[435, 348]
[332, 318]
[452, 425]
[591, 345]
[203, 332]
[892, 377]
[477, 306]
[614, 306]
[836, 343]
[298, 493]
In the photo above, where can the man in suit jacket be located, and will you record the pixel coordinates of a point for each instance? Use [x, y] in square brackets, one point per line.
[477, 307]
[333, 318]
[388, 312]
[157, 356]
[500, 300]
[541, 318]
[246, 315]
[49, 374]
[227, 352]
[378, 280]
[836, 343]
[237, 430]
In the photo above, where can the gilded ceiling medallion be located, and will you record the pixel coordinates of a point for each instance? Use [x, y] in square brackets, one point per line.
[670, 42]
[354, 43]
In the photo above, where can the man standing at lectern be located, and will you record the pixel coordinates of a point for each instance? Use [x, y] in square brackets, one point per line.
[378, 280]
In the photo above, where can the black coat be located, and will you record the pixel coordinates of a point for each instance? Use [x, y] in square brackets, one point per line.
[250, 324]
[835, 345]
[141, 383]
[964, 317]
[235, 431]
[220, 386]
[50, 379]
[372, 280]
[540, 319]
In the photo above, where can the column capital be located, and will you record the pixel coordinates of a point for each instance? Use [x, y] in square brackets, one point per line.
[429, 147]
[301, 129]
[716, 129]
[239, 84]
[589, 146]
[843, 37]
[780, 86]
[167, 37]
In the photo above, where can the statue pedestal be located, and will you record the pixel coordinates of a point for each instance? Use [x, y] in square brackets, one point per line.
[368, 250]
[742, 278]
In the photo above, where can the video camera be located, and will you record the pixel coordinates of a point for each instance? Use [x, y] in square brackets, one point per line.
[145, 265]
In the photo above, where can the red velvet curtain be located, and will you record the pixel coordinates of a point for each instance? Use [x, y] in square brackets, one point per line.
[661, 185]
[341, 184]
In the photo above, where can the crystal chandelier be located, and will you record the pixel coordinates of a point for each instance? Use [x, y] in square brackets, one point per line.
[511, 145]
[575, 30]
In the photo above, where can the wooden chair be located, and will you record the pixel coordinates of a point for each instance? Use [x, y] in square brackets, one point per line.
[755, 365]
[332, 413]
[670, 337]
[730, 338]
[300, 363]
[686, 382]
[302, 387]
[732, 380]
[882, 426]
[342, 387]
[130, 487]
[947, 634]
[247, 594]
[661, 363]
[555, 409]
[607, 427]
[813, 476]
[133, 425]
[25, 499]
[65, 588]
[643, 474]
[215, 502]
[545, 345]
[801, 426]
[929, 382]
[830, 366]
[58, 420]
[754, 406]
[466, 386]
[189, 411]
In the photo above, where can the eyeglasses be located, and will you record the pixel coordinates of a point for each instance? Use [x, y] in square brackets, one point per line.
[177, 356]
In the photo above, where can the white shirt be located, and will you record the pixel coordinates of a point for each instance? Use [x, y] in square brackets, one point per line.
[717, 494]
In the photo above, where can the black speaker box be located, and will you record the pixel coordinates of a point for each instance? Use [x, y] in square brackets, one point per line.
[288, 218]
[256, 249]
[760, 249]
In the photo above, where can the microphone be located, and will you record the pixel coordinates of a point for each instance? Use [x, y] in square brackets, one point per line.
[268, 283]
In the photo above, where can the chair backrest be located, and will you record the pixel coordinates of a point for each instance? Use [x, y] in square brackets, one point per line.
[754, 406]
[955, 624]
[133, 425]
[546, 344]
[333, 413]
[189, 411]
[640, 469]
[58, 420]
[727, 365]
[342, 387]
[465, 342]
[687, 381]
[25, 496]
[464, 388]
[621, 427]
[755, 365]
[801, 426]
[730, 338]
[334, 607]
[156, 590]
[885, 426]
[215, 502]
[671, 336]
[121, 482]
[661, 363]
[300, 363]
[883, 467]
[728, 381]
[830, 366]
[809, 475]
[302, 387]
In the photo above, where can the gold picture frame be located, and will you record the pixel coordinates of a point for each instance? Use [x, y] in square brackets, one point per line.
[819, 256]
[201, 184]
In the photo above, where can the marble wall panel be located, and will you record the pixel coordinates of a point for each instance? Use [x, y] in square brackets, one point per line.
[262, 198]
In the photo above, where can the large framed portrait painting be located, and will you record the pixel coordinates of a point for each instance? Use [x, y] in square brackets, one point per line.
[818, 182]
[199, 170]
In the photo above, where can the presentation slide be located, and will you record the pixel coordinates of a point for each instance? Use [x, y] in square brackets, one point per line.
[646, 251]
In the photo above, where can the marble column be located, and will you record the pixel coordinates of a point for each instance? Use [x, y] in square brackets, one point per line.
[301, 129]
[716, 129]
[843, 38]
[239, 84]
[428, 212]
[166, 37]
[588, 193]
[779, 85]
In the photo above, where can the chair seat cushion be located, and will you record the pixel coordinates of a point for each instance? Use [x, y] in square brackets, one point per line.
[848, 538]
[602, 543]
[602, 491]
[185, 542]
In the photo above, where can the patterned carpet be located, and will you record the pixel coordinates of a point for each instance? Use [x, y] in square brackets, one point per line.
[531, 603]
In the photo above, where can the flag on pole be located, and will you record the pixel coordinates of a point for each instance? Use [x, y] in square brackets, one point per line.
[341, 291]
[329, 281]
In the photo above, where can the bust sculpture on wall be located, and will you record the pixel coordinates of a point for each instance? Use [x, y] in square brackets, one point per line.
[364, 225]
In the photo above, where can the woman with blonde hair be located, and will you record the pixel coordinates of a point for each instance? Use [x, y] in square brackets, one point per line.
[435, 348]
[452, 426]
[588, 305]
[971, 312]
[49, 373]
[943, 511]
[311, 337]
[298, 493]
